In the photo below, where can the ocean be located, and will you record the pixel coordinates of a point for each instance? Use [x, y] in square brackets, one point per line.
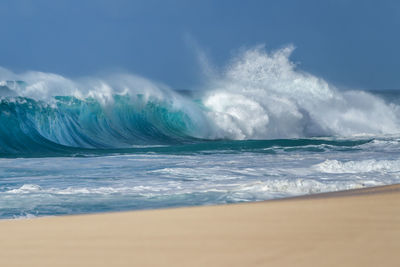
[258, 129]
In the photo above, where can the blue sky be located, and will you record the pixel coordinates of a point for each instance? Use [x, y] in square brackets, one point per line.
[349, 43]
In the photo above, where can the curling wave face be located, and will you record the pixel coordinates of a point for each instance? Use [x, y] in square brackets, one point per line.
[259, 95]
[27, 124]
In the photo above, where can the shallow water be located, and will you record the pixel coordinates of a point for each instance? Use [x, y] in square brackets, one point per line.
[70, 185]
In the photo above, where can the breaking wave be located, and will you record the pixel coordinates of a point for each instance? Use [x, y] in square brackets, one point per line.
[259, 95]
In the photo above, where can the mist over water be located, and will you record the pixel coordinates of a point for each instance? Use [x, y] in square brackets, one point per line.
[259, 128]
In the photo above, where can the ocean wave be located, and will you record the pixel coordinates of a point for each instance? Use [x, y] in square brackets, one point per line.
[259, 95]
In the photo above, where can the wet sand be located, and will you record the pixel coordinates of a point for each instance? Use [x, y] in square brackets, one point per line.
[351, 228]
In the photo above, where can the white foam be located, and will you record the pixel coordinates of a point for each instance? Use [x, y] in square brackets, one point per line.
[36, 189]
[363, 166]
[24, 217]
[290, 187]
[25, 189]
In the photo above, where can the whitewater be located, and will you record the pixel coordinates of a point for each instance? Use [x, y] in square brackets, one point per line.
[260, 128]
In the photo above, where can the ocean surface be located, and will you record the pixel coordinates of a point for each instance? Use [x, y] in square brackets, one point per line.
[258, 129]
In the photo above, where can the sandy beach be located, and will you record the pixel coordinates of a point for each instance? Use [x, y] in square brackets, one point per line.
[352, 228]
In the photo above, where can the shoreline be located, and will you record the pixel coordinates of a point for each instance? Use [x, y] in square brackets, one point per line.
[369, 190]
[358, 227]
[341, 193]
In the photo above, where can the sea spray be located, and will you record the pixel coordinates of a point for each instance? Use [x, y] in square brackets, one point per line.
[263, 95]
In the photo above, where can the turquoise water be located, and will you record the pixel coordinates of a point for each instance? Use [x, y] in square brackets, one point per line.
[56, 160]
[259, 130]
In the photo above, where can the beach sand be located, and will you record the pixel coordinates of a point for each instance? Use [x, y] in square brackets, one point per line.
[352, 228]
